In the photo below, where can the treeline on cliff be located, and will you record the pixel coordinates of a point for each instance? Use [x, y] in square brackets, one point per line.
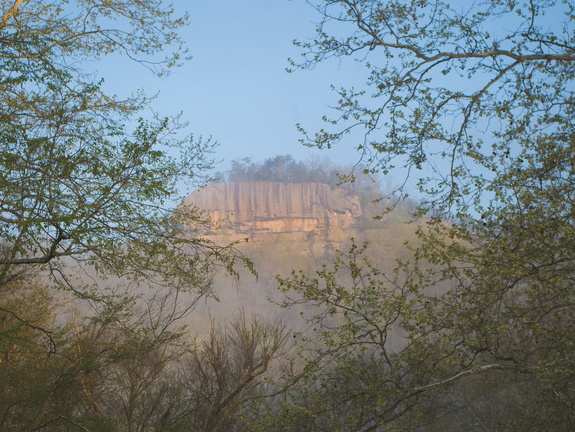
[284, 168]
[281, 169]
[372, 190]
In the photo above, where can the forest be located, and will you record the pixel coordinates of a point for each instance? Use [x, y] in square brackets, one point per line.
[464, 323]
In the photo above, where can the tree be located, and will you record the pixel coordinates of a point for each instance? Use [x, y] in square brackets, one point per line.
[83, 178]
[478, 100]
[278, 169]
[224, 376]
[453, 94]
[107, 372]
[88, 180]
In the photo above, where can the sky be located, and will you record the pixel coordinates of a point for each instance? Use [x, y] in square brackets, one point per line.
[236, 88]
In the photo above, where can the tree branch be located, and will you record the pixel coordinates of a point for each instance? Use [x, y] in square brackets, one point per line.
[48, 333]
[479, 369]
[11, 12]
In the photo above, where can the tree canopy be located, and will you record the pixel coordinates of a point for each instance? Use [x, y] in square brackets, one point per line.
[283, 168]
[459, 93]
[95, 273]
[86, 175]
[475, 101]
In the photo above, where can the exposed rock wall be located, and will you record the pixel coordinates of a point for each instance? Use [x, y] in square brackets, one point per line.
[254, 208]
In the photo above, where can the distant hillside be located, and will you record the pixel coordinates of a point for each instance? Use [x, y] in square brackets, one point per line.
[291, 226]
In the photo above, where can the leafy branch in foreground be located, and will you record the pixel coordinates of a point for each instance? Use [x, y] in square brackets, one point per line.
[84, 179]
[477, 99]
[88, 180]
[455, 92]
[413, 348]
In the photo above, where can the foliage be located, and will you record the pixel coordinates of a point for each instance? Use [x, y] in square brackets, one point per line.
[81, 176]
[412, 348]
[361, 372]
[478, 100]
[224, 376]
[452, 93]
[281, 169]
[88, 180]
[116, 371]
[54, 389]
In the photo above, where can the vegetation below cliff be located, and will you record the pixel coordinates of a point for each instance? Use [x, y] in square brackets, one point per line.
[284, 225]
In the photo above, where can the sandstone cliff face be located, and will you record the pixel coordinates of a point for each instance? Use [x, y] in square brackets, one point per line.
[256, 208]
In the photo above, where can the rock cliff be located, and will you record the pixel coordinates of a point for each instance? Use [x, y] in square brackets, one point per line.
[253, 209]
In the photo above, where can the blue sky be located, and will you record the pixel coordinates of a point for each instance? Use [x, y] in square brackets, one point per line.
[235, 88]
